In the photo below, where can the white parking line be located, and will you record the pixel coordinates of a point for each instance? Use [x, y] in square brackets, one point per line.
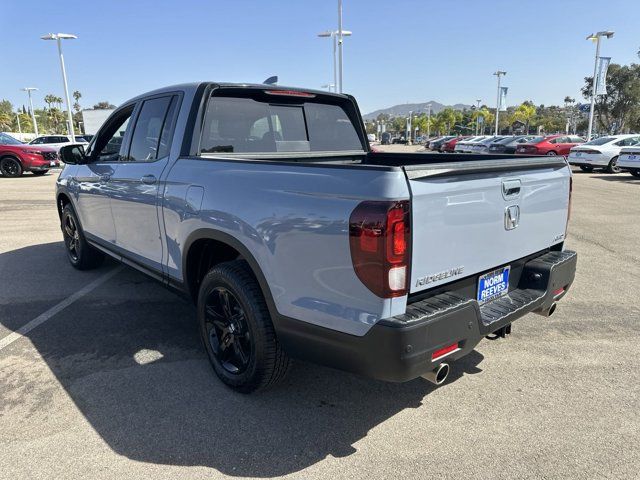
[40, 319]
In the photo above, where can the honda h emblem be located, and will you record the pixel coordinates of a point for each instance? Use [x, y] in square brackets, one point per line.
[511, 217]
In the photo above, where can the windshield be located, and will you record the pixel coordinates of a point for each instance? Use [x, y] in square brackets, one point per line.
[8, 140]
[601, 141]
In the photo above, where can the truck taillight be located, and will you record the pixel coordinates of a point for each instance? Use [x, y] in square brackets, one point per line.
[379, 235]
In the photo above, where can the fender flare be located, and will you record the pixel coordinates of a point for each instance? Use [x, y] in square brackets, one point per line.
[222, 237]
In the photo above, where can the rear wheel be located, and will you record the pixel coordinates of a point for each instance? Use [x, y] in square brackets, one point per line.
[10, 167]
[586, 168]
[39, 173]
[81, 255]
[613, 166]
[635, 173]
[237, 331]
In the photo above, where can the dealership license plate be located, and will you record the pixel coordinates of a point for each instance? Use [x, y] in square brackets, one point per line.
[633, 158]
[493, 284]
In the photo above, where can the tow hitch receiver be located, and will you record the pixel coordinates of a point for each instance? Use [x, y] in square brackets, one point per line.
[502, 332]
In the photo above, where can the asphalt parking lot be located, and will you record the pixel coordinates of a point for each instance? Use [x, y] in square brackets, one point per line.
[115, 383]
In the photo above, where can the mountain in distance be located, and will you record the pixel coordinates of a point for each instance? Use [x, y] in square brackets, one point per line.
[403, 109]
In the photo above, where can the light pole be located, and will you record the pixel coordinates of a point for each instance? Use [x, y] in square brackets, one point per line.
[334, 36]
[59, 37]
[409, 127]
[33, 113]
[328, 86]
[19, 126]
[595, 37]
[478, 100]
[428, 121]
[498, 74]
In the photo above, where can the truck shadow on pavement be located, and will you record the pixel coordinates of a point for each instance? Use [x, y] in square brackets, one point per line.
[129, 357]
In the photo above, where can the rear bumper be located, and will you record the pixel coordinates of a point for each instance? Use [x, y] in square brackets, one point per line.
[591, 161]
[400, 348]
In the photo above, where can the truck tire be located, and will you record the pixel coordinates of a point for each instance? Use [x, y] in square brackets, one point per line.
[586, 168]
[10, 167]
[237, 331]
[613, 166]
[81, 255]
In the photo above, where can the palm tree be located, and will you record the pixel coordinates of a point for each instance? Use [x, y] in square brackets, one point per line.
[525, 113]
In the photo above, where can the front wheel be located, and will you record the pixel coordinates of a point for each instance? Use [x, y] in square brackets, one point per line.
[586, 168]
[551, 153]
[635, 173]
[237, 331]
[613, 166]
[10, 167]
[40, 173]
[81, 255]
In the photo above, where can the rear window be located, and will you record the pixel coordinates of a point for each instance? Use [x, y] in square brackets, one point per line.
[601, 141]
[247, 125]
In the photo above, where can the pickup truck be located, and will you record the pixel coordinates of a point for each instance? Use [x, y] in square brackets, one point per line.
[266, 206]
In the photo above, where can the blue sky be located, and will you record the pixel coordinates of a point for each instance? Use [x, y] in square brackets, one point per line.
[401, 51]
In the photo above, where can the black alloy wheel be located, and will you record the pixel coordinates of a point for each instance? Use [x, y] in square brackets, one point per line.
[10, 167]
[227, 330]
[71, 238]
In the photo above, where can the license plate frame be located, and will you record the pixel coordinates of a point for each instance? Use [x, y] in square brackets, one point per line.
[493, 285]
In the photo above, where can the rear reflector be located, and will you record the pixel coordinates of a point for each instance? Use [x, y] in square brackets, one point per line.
[558, 292]
[444, 351]
[289, 93]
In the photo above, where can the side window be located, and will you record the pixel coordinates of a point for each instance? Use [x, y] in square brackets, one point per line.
[38, 141]
[108, 145]
[575, 139]
[555, 140]
[145, 142]
[168, 128]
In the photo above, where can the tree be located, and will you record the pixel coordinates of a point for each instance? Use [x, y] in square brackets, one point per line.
[76, 96]
[49, 99]
[618, 110]
[6, 106]
[103, 106]
[525, 113]
[5, 121]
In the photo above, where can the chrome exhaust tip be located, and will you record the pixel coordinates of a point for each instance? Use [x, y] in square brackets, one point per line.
[549, 311]
[438, 375]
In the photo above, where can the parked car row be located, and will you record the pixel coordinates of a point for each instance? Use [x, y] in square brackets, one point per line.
[611, 153]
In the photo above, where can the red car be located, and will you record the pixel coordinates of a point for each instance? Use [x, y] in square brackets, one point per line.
[450, 145]
[549, 145]
[16, 157]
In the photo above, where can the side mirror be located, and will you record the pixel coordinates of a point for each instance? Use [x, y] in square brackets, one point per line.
[72, 154]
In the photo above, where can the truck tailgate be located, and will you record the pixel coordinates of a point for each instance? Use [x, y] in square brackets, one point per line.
[471, 217]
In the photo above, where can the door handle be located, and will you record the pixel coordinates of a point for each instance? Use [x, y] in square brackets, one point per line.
[149, 179]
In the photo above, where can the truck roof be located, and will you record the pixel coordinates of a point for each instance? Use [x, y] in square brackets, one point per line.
[193, 86]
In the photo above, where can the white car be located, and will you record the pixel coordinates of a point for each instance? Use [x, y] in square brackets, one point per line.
[465, 145]
[57, 141]
[629, 160]
[601, 152]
